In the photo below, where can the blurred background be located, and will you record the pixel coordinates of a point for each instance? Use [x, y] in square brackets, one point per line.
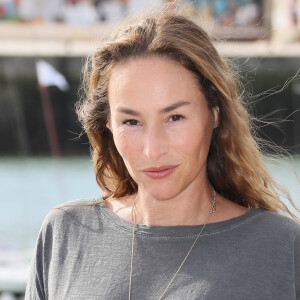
[43, 45]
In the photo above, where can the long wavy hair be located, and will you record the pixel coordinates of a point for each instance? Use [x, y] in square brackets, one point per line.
[235, 164]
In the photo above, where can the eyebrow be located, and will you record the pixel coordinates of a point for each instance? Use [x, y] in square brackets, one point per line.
[167, 109]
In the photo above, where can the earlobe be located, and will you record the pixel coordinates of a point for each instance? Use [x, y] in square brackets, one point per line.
[108, 125]
[216, 110]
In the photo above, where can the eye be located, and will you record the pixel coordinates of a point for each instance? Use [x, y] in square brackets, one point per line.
[131, 122]
[175, 118]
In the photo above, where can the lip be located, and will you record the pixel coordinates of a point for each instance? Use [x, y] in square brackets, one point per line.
[159, 172]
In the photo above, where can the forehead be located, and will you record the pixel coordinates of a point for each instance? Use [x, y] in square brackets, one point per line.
[151, 79]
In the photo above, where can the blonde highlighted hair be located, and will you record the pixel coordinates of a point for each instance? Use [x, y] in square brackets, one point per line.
[235, 164]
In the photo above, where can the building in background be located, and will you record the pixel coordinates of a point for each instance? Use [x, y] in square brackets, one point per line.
[238, 19]
[8, 9]
[231, 13]
[286, 20]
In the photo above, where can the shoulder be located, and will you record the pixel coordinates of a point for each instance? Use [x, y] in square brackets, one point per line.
[257, 219]
[274, 223]
[81, 211]
[279, 219]
[268, 234]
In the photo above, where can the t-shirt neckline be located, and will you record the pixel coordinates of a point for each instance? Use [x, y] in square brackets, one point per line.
[178, 230]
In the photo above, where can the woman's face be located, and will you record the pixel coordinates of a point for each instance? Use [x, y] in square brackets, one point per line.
[161, 125]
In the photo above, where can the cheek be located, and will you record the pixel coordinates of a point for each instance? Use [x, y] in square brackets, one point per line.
[127, 149]
[193, 143]
[125, 144]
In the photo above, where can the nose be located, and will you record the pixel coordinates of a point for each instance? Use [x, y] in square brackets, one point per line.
[155, 142]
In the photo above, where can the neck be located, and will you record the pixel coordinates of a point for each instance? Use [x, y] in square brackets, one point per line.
[188, 209]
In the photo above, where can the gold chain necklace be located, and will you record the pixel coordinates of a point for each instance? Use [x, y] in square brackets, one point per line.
[211, 211]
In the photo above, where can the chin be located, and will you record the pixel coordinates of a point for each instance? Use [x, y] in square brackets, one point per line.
[162, 191]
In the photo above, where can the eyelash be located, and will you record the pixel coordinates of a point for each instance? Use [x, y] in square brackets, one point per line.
[127, 122]
[177, 118]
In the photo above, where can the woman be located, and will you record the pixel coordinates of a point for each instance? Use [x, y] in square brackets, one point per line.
[189, 211]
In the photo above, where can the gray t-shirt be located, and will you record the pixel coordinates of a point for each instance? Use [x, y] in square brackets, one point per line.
[83, 252]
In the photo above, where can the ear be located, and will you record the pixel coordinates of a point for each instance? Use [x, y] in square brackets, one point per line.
[215, 112]
[108, 125]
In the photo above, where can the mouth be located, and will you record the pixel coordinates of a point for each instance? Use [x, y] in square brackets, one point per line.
[159, 172]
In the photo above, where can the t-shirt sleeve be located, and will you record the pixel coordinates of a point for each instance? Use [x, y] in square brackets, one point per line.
[37, 283]
[59, 228]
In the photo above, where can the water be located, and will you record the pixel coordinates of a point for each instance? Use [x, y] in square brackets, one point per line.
[289, 177]
[30, 187]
